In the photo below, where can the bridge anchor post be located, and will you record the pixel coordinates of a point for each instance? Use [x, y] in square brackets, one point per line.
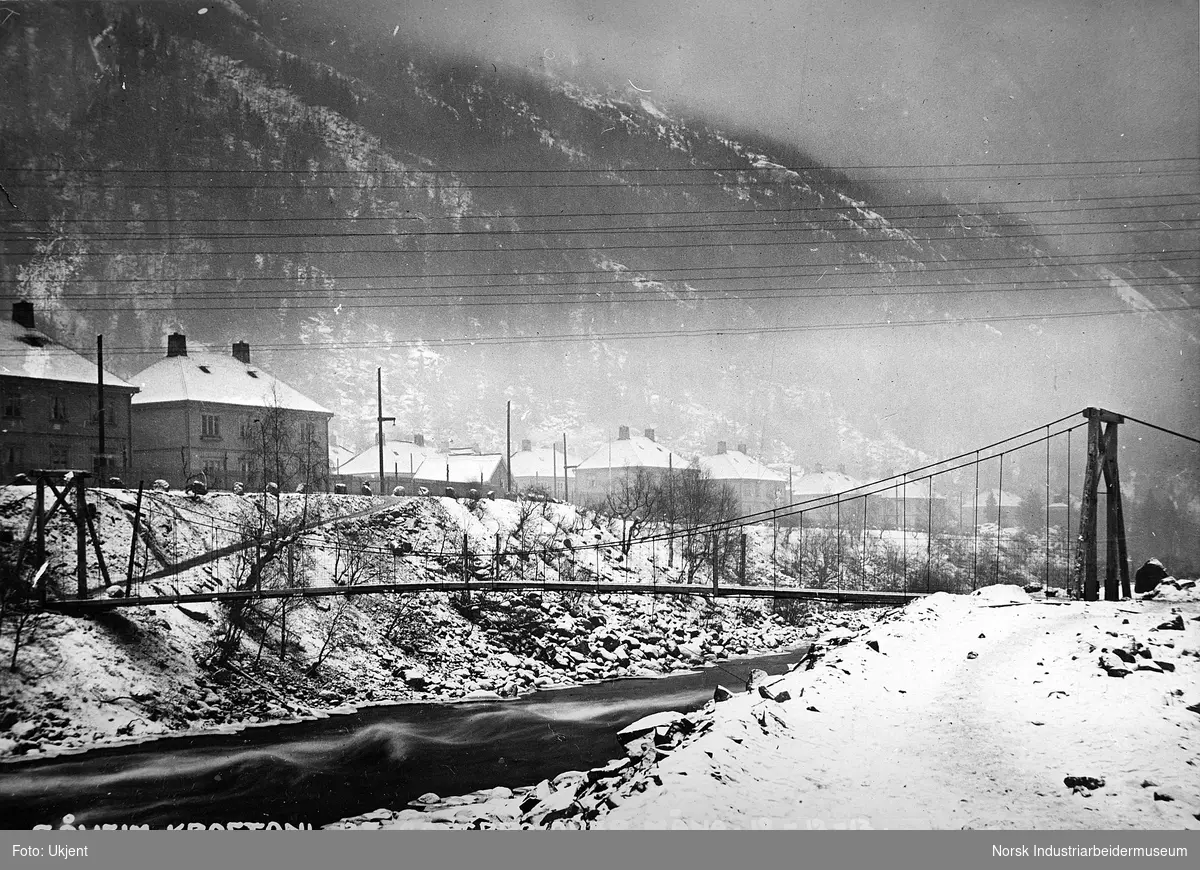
[1102, 461]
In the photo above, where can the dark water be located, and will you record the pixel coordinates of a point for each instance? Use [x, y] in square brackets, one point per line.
[318, 772]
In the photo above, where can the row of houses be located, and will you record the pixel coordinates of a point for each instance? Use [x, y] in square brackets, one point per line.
[220, 418]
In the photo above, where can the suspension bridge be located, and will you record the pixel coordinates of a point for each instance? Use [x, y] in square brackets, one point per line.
[871, 544]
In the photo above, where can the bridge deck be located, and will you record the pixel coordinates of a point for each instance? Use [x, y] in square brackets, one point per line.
[786, 592]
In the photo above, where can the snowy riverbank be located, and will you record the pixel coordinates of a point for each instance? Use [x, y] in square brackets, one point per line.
[993, 710]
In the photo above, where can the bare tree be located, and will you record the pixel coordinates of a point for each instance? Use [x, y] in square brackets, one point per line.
[636, 499]
[285, 448]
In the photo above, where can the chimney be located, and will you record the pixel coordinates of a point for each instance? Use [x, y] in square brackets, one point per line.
[22, 314]
[720, 447]
[418, 439]
[176, 345]
[741, 448]
[623, 433]
[526, 445]
[649, 433]
[241, 352]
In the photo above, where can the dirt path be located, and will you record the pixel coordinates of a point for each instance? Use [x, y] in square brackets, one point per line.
[922, 735]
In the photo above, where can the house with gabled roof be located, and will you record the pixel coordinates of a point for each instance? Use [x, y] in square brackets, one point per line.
[463, 470]
[401, 459]
[50, 403]
[623, 459]
[221, 419]
[542, 469]
[757, 487]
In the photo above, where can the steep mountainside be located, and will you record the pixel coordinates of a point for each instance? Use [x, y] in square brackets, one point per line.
[343, 199]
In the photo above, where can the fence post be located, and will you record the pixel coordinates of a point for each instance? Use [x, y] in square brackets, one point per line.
[742, 563]
[496, 561]
[466, 593]
[80, 537]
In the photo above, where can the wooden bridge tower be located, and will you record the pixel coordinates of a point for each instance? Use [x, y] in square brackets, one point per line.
[1102, 460]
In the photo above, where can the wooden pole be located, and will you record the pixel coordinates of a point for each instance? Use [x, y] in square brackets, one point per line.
[715, 563]
[1085, 552]
[566, 492]
[133, 538]
[466, 592]
[40, 551]
[742, 562]
[1118, 554]
[508, 443]
[101, 459]
[80, 538]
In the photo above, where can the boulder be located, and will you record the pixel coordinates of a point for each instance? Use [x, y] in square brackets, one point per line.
[756, 678]
[1149, 576]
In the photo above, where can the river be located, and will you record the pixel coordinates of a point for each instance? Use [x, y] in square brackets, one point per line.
[318, 772]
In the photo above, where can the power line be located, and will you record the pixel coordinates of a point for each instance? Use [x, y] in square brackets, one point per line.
[769, 167]
[949, 264]
[487, 341]
[551, 249]
[942, 210]
[359, 303]
[797, 226]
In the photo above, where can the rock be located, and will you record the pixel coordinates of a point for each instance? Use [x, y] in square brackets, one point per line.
[765, 692]
[873, 644]
[416, 678]
[1033, 587]
[972, 655]
[1159, 796]
[1083, 783]
[721, 693]
[482, 695]
[1149, 576]
[1166, 666]
[23, 730]
[1175, 624]
[650, 723]
[1124, 656]
[756, 678]
[780, 697]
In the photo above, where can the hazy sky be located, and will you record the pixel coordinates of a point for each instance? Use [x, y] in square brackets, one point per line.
[878, 81]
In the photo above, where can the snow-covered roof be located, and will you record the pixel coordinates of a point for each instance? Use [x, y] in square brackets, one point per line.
[463, 469]
[404, 457]
[339, 455]
[220, 379]
[539, 462]
[636, 451]
[735, 465]
[29, 353]
[818, 483]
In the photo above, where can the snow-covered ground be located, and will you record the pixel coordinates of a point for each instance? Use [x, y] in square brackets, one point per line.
[972, 714]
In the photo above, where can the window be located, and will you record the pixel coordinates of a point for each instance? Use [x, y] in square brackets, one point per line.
[110, 415]
[210, 426]
[58, 411]
[214, 472]
[308, 433]
[60, 456]
[13, 454]
[12, 405]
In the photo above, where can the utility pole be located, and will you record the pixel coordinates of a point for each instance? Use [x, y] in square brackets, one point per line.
[566, 492]
[101, 458]
[381, 419]
[508, 442]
